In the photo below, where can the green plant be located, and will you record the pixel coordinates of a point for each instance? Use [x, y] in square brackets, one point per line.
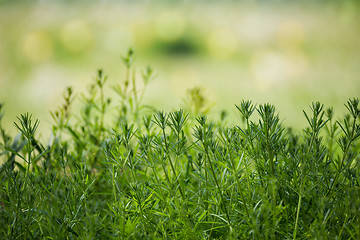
[178, 175]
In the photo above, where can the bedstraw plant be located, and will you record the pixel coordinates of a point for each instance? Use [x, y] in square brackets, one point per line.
[148, 174]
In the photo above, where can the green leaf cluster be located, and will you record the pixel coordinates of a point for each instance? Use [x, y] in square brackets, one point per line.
[148, 174]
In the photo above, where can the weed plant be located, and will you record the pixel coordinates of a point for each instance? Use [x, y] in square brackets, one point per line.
[179, 175]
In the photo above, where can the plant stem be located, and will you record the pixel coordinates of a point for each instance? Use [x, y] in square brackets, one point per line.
[239, 186]
[345, 153]
[217, 185]
[172, 165]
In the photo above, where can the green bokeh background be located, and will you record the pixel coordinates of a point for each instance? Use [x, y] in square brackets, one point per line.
[288, 53]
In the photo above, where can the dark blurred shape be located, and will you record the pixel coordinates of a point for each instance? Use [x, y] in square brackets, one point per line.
[182, 46]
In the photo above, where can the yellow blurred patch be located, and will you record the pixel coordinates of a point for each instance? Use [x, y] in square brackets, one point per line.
[142, 33]
[291, 34]
[37, 46]
[222, 43]
[77, 36]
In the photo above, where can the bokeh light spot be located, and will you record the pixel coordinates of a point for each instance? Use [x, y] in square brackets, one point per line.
[222, 43]
[268, 69]
[37, 46]
[170, 26]
[272, 69]
[77, 36]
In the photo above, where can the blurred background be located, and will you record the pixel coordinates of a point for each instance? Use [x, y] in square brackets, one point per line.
[287, 54]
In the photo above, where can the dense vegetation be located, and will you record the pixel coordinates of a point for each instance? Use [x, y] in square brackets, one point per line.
[178, 175]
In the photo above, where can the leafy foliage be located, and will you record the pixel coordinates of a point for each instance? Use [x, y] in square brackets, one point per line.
[178, 175]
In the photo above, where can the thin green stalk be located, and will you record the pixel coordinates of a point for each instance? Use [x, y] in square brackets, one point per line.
[250, 134]
[136, 103]
[102, 113]
[316, 123]
[28, 164]
[113, 182]
[217, 186]
[239, 186]
[298, 206]
[270, 154]
[172, 165]
[137, 192]
[158, 183]
[301, 188]
[345, 153]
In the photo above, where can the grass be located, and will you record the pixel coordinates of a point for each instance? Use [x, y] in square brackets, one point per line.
[149, 174]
